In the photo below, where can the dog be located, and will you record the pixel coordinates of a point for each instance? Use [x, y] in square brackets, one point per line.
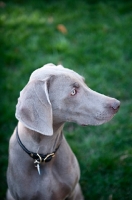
[42, 165]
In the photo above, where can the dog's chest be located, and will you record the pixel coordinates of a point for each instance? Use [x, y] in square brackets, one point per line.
[51, 184]
[55, 188]
[58, 182]
[47, 186]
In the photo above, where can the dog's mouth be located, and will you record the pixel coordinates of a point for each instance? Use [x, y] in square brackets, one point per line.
[103, 119]
[98, 120]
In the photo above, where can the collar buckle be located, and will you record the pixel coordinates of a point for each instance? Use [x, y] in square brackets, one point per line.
[49, 157]
[39, 160]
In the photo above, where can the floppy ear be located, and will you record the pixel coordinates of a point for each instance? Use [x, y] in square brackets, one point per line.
[34, 109]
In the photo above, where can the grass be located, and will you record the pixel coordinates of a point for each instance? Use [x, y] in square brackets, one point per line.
[96, 42]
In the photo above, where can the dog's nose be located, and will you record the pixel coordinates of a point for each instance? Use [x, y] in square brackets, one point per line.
[115, 105]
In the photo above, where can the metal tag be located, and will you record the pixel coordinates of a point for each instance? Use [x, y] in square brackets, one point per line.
[38, 168]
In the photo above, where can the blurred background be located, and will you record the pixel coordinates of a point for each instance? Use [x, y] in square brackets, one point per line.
[93, 38]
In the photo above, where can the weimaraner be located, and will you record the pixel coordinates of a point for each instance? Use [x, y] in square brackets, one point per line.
[42, 166]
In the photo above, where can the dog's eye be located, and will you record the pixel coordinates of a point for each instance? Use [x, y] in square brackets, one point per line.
[73, 92]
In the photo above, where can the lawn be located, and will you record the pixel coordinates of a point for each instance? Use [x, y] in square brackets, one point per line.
[93, 38]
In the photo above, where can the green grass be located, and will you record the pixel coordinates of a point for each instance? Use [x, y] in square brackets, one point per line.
[98, 45]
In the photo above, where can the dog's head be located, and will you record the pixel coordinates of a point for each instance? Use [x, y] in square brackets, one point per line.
[55, 95]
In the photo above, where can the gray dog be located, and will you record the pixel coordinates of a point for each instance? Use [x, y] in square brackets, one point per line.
[41, 164]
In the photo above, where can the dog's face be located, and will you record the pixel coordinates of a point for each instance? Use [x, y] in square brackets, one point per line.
[55, 95]
[73, 101]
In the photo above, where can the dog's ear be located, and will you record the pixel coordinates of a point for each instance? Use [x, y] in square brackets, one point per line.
[34, 109]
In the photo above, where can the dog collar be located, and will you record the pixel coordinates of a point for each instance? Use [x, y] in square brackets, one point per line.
[39, 158]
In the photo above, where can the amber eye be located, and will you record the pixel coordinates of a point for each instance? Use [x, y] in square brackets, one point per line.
[73, 92]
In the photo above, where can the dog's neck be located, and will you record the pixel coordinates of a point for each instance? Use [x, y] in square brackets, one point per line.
[39, 143]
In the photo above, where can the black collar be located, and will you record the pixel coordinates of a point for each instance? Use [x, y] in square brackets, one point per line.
[38, 157]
